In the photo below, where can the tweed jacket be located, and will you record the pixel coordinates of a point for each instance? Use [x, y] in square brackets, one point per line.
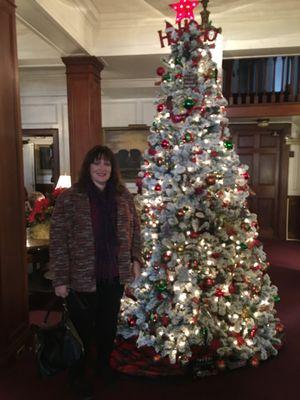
[72, 248]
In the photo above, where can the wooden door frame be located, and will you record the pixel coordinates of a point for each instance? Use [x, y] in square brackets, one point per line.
[28, 133]
[284, 130]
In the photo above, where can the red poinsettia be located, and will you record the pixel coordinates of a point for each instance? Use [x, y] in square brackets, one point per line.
[43, 208]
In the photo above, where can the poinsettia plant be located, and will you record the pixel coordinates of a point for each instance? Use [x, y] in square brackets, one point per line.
[43, 208]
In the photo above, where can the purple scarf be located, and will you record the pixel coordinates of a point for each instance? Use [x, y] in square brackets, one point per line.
[104, 221]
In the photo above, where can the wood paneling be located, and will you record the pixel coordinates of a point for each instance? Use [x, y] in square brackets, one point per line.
[265, 152]
[84, 107]
[293, 218]
[13, 276]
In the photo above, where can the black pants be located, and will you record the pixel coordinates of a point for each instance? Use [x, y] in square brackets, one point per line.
[95, 316]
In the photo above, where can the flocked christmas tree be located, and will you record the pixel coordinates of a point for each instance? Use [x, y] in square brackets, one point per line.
[205, 298]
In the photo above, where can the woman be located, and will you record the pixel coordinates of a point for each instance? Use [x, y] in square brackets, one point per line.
[94, 251]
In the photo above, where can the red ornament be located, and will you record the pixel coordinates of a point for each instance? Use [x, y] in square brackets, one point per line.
[216, 255]
[219, 293]
[221, 364]
[253, 332]
[178, 118]
[209, 282]
[165, 144]
[199, 190]
[157, 187]
[279, 327]
[214, 153]
[156, 266]
[131, 321]
[165, 320]
[193, 264]
[152, 151]
[194, 235]
[230, 231]
[178, 76]
[159, 161]
[210, 180]
[231, 288]
[240, 339]
[167, 256]
[160, 71]
[196, 60]
[160, 107]
[246, 175]
[184, 9]
[180, 213]
[254, 362]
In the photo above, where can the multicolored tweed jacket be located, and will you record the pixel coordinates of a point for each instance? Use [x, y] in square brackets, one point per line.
[72, 250]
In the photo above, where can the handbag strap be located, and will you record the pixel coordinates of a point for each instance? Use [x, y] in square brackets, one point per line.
[50, 308]
[65, 312]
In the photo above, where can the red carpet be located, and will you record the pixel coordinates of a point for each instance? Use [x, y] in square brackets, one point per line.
[272, 380]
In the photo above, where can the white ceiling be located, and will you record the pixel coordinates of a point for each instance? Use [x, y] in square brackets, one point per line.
[124, 34]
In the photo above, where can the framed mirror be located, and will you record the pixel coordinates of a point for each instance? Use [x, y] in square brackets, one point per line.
[41, 159]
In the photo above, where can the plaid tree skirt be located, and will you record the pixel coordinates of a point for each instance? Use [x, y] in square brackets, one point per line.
[143, 361]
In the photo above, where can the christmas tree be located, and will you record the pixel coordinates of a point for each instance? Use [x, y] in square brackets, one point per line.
[204, 298]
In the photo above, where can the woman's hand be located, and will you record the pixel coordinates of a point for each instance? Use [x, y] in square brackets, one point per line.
[136, 269]
[61, 291]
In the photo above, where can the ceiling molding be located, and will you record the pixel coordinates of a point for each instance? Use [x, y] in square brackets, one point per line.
[90, 10]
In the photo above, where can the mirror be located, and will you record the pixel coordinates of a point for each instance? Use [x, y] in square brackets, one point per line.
[40, 159]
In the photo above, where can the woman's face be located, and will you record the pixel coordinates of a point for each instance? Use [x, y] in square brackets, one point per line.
[100, 171]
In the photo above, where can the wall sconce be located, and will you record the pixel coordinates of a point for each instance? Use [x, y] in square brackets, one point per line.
[64, 181]
[263, 123]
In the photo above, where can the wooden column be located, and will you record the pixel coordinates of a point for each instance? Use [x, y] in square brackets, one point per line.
[13, 269]
[84, 107]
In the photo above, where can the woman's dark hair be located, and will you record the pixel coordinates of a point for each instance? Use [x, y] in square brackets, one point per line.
[96, 153]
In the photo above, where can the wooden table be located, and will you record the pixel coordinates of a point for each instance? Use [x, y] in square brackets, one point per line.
[38, 256]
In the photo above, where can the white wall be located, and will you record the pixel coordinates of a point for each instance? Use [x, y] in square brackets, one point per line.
[44, 105]
[124, 112]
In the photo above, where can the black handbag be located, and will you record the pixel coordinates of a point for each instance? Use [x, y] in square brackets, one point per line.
[57, 347]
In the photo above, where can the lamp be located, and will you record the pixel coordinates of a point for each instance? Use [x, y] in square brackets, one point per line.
[64, 181]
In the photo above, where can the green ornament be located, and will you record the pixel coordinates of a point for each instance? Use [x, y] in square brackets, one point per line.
[161, 286]
[228, 144]
[204, 331]
[243, 246]
[153, 317]
[178, 61]
[276, 298]
[214, 74]
[167, 77]
[188, 137]
[189, 103]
